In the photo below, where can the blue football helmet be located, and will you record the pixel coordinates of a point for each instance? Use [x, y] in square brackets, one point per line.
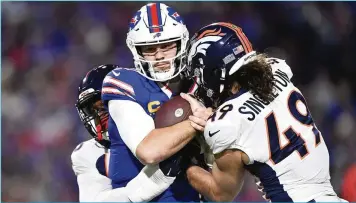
[216, 52]
[89, 106]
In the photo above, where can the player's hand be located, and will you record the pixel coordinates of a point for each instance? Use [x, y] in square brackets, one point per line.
[189, 155]
[194, 150]
[175, 165]
[199, 160]
[200, 112]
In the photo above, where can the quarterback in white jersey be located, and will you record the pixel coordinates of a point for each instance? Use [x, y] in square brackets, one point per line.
[90, 158]
[261, 125]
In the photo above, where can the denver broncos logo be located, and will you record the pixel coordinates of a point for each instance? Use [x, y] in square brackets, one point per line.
[201, 45]
[214, 32]
[201, 42]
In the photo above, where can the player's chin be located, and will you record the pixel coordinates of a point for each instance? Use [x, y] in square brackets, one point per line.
[162, 68]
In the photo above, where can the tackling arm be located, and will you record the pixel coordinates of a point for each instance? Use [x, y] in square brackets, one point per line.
[95, 187]
[148, 184]
[225, 180]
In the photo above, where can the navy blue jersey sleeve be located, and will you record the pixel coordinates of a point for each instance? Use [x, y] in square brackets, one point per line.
[120, 84]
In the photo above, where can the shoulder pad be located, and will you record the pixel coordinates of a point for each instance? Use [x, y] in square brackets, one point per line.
[121, 84]
[85, 155]
[282, 65]
[222, 129]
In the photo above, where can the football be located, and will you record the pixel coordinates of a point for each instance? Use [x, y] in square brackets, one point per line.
[172, 112]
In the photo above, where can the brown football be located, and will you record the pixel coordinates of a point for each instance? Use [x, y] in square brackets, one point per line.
[172, 112]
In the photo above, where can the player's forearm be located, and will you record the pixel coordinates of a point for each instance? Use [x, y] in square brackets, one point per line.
[148, 184]
[203, 181]
[162, 143]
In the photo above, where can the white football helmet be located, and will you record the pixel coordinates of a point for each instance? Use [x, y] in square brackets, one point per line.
[157, 23]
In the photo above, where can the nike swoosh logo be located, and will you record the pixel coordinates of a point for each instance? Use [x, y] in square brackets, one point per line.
[116, 74]
[212, 134]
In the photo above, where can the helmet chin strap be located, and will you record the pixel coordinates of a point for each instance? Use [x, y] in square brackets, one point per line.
[175, 84]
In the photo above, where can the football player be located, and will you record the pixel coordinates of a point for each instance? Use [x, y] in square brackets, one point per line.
[262, 123]
[157, 38]
[89, 159]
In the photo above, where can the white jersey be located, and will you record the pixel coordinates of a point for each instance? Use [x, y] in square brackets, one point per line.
[90, 161]
[286, 150]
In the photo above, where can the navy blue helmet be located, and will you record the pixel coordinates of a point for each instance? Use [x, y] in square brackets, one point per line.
[215, 52]
[89, 106]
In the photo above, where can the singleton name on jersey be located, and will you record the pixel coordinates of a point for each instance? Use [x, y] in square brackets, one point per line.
[253, 105]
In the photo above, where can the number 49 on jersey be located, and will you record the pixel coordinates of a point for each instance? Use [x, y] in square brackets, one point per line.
[295, 141]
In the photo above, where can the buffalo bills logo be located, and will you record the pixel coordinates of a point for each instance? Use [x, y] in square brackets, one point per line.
[136, 19]
[157, 35]
[173, 14]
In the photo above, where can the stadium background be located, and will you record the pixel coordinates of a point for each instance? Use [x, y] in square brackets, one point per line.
[48, 47]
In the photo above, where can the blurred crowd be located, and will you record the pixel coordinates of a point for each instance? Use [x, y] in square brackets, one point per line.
[47, 48]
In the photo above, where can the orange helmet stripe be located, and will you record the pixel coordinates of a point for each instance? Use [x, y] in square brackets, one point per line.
[244, 40]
